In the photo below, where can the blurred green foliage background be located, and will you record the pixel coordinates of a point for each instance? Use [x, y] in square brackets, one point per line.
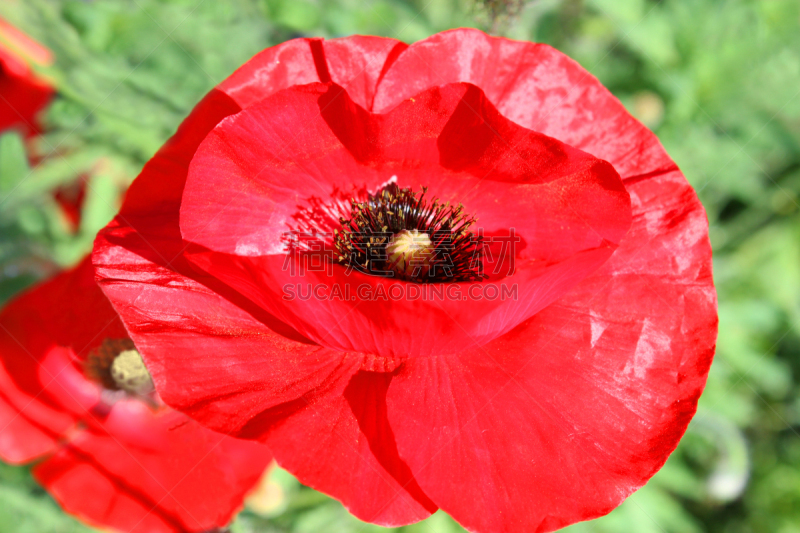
[717, 80]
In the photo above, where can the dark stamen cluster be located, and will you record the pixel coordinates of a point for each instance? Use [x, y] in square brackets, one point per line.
[455, 254]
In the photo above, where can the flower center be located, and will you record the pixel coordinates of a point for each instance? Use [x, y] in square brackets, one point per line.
[397, 233]
[118, 366]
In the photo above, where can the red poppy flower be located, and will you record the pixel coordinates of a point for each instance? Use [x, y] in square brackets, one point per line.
[521, 414]
[22, 94]
[75, 397]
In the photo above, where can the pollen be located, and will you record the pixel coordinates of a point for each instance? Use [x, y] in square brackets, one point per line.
[130, 374]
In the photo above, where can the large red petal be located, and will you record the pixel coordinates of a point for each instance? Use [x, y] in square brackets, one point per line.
[257, 170]
[561, 419]
[194, 480]
[534, 85]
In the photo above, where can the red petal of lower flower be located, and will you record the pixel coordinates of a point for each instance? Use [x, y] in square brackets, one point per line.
[32, 398]
[115, 462]
[185, 484]
[28, 429]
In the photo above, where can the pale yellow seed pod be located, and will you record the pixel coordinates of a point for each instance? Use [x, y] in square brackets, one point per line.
[410, 252]
[130, 374]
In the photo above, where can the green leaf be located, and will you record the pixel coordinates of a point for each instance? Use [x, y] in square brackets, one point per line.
[13, 163]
